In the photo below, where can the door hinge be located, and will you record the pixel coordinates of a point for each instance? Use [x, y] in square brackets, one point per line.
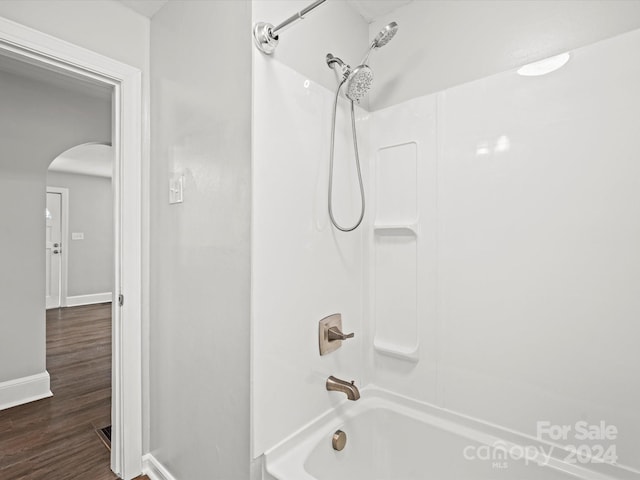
[121, 299]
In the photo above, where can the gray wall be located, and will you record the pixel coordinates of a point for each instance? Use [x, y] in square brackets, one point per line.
[90, 261]
[92, 25]
[38, 121]
[200, 249]
[103, 26]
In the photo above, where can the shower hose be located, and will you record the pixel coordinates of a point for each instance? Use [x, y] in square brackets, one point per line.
[355, 148]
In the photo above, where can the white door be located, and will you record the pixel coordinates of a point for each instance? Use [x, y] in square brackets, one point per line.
[53, 249]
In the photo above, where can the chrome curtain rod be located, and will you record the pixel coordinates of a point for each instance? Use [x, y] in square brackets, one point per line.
[265, 35]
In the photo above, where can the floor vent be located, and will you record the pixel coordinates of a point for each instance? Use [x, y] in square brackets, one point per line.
[105, 436]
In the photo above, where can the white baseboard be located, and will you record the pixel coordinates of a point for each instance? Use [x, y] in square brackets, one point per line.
[153, 469]
[78, 300]
[24, 390]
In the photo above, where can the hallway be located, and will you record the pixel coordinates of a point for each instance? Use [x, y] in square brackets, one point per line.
[55, 437]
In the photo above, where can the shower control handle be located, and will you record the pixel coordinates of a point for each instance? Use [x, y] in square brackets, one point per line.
[336, 334]
[330, 334]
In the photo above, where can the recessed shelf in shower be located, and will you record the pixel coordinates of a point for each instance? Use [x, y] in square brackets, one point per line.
[395, 252]
[410, 230]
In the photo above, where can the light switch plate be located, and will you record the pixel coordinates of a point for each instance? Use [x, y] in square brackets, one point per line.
[77, 236]
[176, 189]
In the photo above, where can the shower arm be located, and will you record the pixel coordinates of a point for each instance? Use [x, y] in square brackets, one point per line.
[265, 35]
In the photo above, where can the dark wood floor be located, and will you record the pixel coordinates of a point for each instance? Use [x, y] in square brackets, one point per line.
[55, 438]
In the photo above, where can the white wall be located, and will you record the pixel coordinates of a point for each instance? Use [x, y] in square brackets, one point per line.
[533, 313]
[302, 268]
[38, 121]
[90, 261]
[442, 43]
[200, 251]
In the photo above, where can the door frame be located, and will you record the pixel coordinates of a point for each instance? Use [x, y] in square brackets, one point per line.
[64, 239]
[35, 47]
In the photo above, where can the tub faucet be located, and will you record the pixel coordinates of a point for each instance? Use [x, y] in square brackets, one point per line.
[336, 385]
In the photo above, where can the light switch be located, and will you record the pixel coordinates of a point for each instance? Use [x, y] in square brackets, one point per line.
[77, 236]
[176, 188]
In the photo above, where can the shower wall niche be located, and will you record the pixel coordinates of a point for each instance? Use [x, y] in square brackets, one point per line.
[395, 251]
[400, 273]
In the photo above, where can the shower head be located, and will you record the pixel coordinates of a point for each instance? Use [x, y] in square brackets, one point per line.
[360, 79]
[384, 36]
[359, 83]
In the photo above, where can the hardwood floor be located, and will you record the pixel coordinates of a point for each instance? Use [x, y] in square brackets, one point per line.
[55, 438]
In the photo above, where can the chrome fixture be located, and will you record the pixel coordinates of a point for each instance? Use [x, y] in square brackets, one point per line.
[265, 35]
[359, 81]
[336, 385]
[345, 68]
[360, 78]
[339, 440]
[330, 334]
[384, 36]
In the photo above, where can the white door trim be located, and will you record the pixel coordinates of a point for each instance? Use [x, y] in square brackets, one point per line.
[64, 227]
[38, 48]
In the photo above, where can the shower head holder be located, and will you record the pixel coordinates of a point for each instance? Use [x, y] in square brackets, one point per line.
[335, 62]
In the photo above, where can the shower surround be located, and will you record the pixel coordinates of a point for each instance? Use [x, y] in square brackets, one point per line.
[524, 298]
[496, 271]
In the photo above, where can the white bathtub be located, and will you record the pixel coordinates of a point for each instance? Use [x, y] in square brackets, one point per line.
[394, 438]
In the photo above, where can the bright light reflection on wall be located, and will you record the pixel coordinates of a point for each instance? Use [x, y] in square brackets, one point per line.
[545, 66]
[482, 148]
[502, 144]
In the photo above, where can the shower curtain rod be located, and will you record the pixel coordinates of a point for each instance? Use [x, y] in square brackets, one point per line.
[265, 35]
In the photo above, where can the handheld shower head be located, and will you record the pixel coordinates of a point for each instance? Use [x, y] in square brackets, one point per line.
[359, 83]
[359, 80]
[384, 36]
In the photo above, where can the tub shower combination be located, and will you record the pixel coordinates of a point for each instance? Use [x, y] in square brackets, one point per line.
[390, 437]
[376, 433]
[387, 436]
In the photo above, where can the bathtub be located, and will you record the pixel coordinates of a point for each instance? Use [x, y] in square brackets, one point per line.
[395, 438]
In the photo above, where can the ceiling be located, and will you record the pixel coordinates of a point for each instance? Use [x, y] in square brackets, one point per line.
[32, 70]
[368, 9]
[148, 8]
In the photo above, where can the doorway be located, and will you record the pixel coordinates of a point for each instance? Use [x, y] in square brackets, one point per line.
[43, 51]
[82, 176]
[55, 215]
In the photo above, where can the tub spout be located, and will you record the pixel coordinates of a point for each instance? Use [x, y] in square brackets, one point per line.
[336, 385]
